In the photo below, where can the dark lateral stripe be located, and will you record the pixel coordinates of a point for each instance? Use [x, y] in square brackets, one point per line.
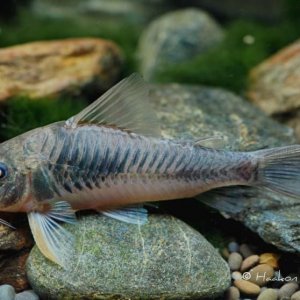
[113, 167]
[180, 161]
[124, 161]
[154, 158]
[63, 153]
[104, 163]
[143, 160]
[162, 160]
[171, 161]
[67, 187]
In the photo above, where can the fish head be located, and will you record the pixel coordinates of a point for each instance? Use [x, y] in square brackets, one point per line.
[14, 175]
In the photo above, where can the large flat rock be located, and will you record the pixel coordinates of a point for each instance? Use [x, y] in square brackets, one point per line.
[193, 112]
[163, 259]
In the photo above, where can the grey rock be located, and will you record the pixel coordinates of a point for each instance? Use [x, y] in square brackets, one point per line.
[164, 258]
[193, 112]
[234, 261]
[7, 292]
[176, 37]
[133, 11]
[27, 295]
[233, 247]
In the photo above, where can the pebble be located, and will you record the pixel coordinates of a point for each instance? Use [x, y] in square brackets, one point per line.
[225, 253]
[234, 261]
[233, 247]
[247, 287]
[261, 274]
[236, 275]
[27, 295]
[245, 250]
[232, 293]
[7, 292]
[296, 296]
[287, 290]
[270, 259]
[268, 294]
[249, 262]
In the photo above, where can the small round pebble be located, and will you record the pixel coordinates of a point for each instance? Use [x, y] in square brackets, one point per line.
[233, 247]
[232, 293]
[247, 287]
[268, 294]
[236, 275]
[249, 262]
[225, 253]
[270, 259]
[7, 292]
[261, 274]
[27, 295]
[287, 290]
[245, 250]
[296, 296]
[234, 261]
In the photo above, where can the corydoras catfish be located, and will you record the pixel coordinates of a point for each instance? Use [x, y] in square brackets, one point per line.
[111, 155]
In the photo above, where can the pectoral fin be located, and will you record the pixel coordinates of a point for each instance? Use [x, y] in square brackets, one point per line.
[132, 214]
[55, 242]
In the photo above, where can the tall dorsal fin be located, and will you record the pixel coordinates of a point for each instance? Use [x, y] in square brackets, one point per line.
[124, 106]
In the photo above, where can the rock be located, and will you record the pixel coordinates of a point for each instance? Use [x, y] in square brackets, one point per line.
[287, 290]
[270, 259]
[165, 258]
[268, 294]
[232, 293]
[249, 262]
[275, 85]
[261, 274]
[48, 68]
[13, 270]
[234, 261]
[236, 275]
[247, 287]
[175, 37]
[192, 112]
[7, 292]
[15, 239]
[233, 247]
[245, 250]
[130, 11]
[27, 295]
[296, 296]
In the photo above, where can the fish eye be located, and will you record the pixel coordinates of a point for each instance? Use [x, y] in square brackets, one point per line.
[3, 170]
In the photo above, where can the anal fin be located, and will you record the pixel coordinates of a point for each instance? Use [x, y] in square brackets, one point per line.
[132, 214]
[55, 242]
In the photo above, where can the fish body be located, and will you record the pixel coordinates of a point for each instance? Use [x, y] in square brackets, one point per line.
[111, 155]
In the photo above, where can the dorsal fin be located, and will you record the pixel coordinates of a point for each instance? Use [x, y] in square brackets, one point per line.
[124, 106]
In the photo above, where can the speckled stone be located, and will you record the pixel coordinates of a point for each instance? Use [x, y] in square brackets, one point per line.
[193, 112]
[164, 258]
[176, 37]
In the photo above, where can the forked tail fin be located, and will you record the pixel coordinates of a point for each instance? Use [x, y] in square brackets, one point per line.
[279, 169]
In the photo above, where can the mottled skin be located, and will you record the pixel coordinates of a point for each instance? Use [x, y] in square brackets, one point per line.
[97, 167]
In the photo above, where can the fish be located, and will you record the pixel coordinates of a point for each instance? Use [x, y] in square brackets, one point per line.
[112, 158]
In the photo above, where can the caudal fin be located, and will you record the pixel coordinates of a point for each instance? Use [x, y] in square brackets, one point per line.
[279, 169]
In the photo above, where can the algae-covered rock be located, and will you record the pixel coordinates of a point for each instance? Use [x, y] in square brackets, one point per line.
[51, 68]
[176, 37]
[164, 258]
[193, 112]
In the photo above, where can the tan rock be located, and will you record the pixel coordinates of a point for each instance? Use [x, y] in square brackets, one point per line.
[232, 293]
[275, 83]
[249, 262]
[49, 68]
[247, 287]
[261, 274]
[268, 294]
[270, 259]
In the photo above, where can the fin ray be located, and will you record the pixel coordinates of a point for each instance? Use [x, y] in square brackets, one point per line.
[124, 106]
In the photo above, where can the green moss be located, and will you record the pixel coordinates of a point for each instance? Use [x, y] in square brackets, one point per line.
[23, 114]
[228, 65]
[30, 27]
